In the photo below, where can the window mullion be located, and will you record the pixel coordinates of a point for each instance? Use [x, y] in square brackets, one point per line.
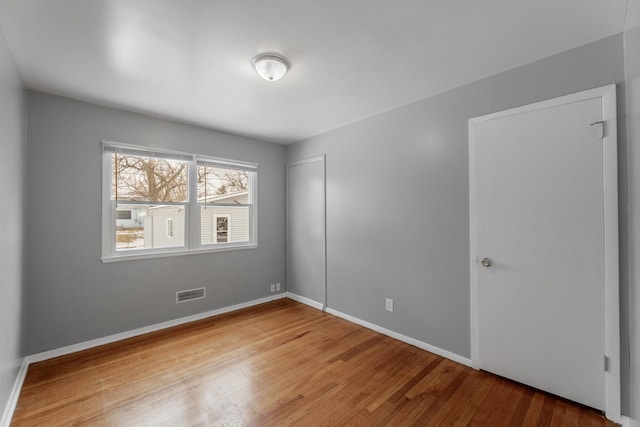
[193, 232]
[108, 210]
[253, 200]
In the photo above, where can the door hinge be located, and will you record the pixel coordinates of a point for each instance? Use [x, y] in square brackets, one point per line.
[601, 123]
[606, 364]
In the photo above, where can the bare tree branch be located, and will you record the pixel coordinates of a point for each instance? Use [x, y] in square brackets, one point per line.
[161, 180]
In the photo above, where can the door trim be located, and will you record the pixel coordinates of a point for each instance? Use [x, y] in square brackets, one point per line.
[611, 255]
[320, 158]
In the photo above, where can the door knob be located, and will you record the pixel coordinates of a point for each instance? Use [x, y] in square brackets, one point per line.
[486, 262]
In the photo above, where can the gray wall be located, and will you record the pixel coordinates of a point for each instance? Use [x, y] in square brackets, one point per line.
[397, 197]
[72, 296]
[415, 156]
[632, 65]
[12, 173]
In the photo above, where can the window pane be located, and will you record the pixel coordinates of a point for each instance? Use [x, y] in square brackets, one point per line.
[224, 224]
[123, 214]
[148, 179]
[150, 226]
[220, 185]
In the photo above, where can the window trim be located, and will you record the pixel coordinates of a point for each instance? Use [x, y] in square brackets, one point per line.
[192, 244]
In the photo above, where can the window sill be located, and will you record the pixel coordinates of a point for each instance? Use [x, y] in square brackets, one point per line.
[171, 253]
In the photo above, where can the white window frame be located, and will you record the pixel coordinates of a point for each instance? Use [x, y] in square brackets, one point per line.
[192, 206]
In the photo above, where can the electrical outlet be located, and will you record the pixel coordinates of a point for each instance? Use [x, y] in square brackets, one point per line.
[277, 286]
[273, 287]
[389, 305]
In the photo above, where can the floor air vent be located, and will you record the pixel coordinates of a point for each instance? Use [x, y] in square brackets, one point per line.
[189, 295]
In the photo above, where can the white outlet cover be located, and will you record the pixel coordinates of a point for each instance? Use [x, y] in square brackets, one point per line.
[277, 286]
[389, 305]
[273, 287]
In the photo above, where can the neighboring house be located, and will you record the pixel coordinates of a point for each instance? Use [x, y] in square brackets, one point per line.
[129, 218]
[224, 224]
[164, 225]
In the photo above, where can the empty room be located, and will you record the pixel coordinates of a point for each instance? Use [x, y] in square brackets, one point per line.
[197, 223]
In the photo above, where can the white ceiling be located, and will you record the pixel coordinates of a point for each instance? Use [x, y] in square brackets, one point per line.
[190, 60]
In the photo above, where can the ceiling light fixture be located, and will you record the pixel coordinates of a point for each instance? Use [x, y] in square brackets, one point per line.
[270, 66]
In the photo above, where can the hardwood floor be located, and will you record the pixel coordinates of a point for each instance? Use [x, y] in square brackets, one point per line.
[277, 364]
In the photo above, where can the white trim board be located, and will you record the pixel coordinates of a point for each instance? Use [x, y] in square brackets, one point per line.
[305, 300]
[611, 266]
[308, 160]
[417, 343]
[7, 415]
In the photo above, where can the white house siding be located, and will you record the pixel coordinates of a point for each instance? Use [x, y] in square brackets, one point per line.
[238, 223]
[155, 227]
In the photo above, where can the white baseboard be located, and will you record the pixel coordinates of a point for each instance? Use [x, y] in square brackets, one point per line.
[436, 350]
[625, 421]
[7, 415]
[39, 357]
[305, 300]
[428, 347]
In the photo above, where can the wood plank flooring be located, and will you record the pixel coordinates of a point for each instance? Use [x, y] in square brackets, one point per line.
[277, 364]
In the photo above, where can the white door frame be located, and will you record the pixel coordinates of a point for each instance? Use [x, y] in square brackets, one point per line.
[611, 263]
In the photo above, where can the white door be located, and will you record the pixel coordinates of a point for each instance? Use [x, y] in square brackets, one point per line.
[538, 247]
[306, 231]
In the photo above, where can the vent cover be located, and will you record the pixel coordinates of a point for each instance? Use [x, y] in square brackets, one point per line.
[189, 295]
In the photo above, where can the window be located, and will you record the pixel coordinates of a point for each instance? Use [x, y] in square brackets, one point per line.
[224, 199]
[162, 202]
[123, 214]
[170, 227]
[222, 228]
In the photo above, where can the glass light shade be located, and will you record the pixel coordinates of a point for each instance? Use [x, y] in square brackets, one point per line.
[270, 67]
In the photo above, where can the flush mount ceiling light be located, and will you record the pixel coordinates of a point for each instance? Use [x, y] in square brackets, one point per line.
[270, 66]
